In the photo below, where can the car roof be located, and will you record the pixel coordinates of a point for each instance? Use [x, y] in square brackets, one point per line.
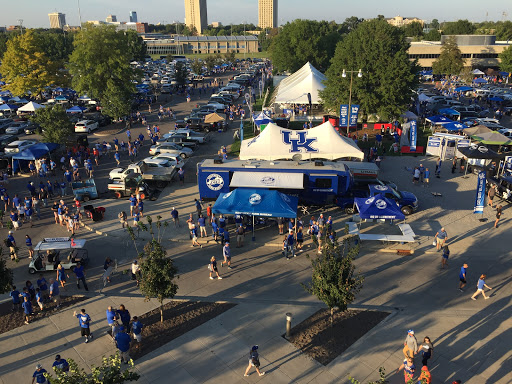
[20, 142]
[85, 121]
[59, 243]
[155, 161]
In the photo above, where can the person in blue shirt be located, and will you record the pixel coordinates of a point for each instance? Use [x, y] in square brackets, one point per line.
[38, 375]
[225, 236]
[201, 221]
[27, 309]
[123, 344]
[80, 275]
[290, 241]
[15, 295]
[117, 157]
[226, 252]
[84, 320]
[43, 286]
[16, 201]
[111, 318]
[54, 292]
[480, 288]
[124, 315]
[60, 364]
[137, 331]
[462, 277]
[199, 207]
[140, 206]
[291, 225]
[175, 217]
[39, 299]
[133, 202]
[11, 243]
[63, 186]
[300, 238]
[28, 242]
[135, 218]
[426, 178]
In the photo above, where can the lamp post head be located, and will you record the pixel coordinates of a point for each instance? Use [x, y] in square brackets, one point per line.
[359, 74]
[344, 74]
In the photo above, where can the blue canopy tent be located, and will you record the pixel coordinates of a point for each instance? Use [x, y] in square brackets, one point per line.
[438, 119]
[256, 202]
[261, 119]
[495, 98]
[8, 107]
[378, 207]
[61, 98]
[449, 112]
[32, 153]
[504, 74]
[480, 80]
[454, 126]
[463, 88]
[76, 109]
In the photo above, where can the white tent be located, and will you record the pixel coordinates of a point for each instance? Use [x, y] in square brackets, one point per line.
[30, 107]
[321, 142]
[295, 88]
[478, 72]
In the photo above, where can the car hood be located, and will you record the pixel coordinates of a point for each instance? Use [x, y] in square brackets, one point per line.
[116, 171]
[409, 196]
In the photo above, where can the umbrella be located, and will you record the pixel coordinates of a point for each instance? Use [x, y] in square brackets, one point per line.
[495, 98]
[438, 119]
[454, 126]
[213, 118]
[463, 88]
[492, 138]
[479, 129]
[476, 151]
[480, 80]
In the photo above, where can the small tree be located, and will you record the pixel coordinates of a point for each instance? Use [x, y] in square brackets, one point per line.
[210, 62]
[157, 275]
[55, 124]
[197, 66]
[506, 60]
[334, 280]
[450, 61]
[6, 276]
[110, 372]
[230, 56]
[180, 73]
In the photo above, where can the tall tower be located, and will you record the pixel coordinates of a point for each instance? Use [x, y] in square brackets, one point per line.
[133, 17]
[267, 14]
[196, 14]
[111, 19]
[57, 20]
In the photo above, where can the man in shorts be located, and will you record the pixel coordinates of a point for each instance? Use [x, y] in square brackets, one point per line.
[54, 292]
[462, 277]
[240, 234]
[441, 238]
[226, 252]
[84, 320]
[137, 331]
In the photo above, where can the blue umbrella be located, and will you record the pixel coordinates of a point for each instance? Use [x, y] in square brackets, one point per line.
[464, 88]
[495, 98]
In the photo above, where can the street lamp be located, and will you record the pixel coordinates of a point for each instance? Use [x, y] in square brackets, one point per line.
[344, 74]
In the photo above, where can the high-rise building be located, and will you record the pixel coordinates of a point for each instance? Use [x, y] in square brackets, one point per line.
[57, 20]
[111, 19]
[196, 15]
[133, 17]
[267, 14]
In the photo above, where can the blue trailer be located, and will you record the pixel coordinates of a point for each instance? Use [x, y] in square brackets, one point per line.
[313, 182]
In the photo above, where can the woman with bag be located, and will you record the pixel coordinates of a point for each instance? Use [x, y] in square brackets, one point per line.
[254, 361]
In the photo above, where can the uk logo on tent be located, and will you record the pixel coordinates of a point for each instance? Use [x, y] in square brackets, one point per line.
[255, 199]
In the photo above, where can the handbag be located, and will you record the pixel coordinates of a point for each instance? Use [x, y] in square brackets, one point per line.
[434, 243]
[210, 267]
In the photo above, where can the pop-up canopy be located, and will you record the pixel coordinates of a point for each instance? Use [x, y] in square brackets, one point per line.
[378, 207]
[321, 142]
[30, 107]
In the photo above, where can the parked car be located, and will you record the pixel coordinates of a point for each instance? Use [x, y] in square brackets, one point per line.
[6, 140]
[4, 123]
[18, 146]
[16, 127]
[31, 128]
[169, 147]
[506, 132]
[176, 160]
[86, 126]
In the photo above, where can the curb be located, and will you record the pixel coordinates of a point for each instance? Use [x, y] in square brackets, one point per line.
[110, 133]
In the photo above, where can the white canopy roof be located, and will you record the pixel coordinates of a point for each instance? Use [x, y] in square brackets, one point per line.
[268, 180]
[295, 88]
[321, 142]
[30, 107]
[478, 72]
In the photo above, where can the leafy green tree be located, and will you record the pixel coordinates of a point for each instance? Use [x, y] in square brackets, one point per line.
[414, 29]
[196, 66]
[229, 57]
[6, 275]
[432, 35]
[57, 44]
[506, 59]
[136, 45]
[210, 61]
[100, 66]
[434, 24]
[180, 73]
[4, 37]
[352, 22]
[26, 66]
[450, 61]
[334, 280]
[157, 275]
[380, 51]
[459, 27]
[504, 31]
[110, 372]
[55, 124]
[301, 41]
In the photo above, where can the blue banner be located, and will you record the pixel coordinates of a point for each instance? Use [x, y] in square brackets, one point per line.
[354, 111]
[413, 135]
[480, 193]
[343, 115]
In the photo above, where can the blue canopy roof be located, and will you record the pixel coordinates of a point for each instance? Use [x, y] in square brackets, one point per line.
[448, 111]
[480, 80]
[76, 109]
[438, 119]
[8, 107]
[504, 74]
[256, 202]
[495, 98]
[61, 98]
[261, 119]
[378, 207]
[454, 126]
[463, 88]
[36, 151]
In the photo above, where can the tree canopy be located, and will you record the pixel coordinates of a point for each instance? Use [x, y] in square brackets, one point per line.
[6, 275]
[304, 40]
[459, 27]
[380, 51]
[432, 35]
[450, 61]
[27, 67]
[506, 59]
[414, 29]
[100, 65]
[55, 124]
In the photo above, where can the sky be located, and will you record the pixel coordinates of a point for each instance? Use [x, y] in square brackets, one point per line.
[246, 11]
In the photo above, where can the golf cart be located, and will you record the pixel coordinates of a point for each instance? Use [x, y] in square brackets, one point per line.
[51, 252]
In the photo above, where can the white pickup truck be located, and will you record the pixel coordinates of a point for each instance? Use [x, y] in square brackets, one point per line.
[152, 173]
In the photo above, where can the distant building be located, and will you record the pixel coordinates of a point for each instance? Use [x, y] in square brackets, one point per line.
[71, 28]
[216, 24]
[111, 19]
[400, 21]
[196, 15]
[133, 17]
[267, 14]
[57, 20]
[122, 26]
[183, 45]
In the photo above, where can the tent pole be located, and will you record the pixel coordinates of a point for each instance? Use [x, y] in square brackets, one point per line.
[253, 236]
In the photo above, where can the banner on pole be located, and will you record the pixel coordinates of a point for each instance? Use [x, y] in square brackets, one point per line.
[480, 193]
[413, 135]
[343, 115]
[354, 112]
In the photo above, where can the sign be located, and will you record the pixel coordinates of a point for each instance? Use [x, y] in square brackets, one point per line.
[413, 135]
[301, 144]
[480, 193]
[214, 181]
[343, 115]
[354, 112]
[255, 199]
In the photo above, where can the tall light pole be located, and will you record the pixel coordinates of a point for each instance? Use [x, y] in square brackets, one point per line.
[79, 14]
[344, 74]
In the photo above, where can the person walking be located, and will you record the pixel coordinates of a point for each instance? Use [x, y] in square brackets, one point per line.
[410, 345]
[60, 364]
[201, 221]
[427, 350]
[426, 178]
[491, 194]
[84, 320]
[290, 245]
[226, 252]
[11, 243]
[136, 272]
[199, 207]
[193, 234]
[123, 341]
[15, 296]
[80, 276]
[175, 217]
[498, 215]
[444, 258]
[454, 164]
[438, 167]
[409, 368]
[254, 361]
[462, 277]
[28, 242]
[61, 276]
[124, 315]
[137, 331]
[181, 176]
[54, 293]
[480, 288]
[111, 319]
[240, 234]
[441, 238]
[212, 267]
[27, 309]
[38, 375]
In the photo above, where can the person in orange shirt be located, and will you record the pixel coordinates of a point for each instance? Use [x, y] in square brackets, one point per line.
[425, 377]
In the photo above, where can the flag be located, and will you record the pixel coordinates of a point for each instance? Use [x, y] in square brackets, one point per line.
[480, 193]
[413, 135]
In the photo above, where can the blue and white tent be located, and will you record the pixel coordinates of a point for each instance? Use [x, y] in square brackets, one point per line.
[378, 207]
[76, 109]
[438, 119]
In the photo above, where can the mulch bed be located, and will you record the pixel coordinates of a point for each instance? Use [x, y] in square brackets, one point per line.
[179, 318]
[317, 339]
[10, 320]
